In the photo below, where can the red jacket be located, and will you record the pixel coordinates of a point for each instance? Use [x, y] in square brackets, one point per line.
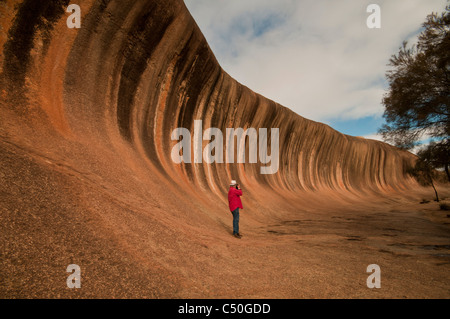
[234, 199]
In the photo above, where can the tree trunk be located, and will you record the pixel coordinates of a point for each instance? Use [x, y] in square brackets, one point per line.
[446, 170]
[435, 191]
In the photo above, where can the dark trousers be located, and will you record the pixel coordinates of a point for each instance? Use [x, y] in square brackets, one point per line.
[235, 221]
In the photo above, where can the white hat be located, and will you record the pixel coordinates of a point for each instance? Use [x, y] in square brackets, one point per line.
[233, 182]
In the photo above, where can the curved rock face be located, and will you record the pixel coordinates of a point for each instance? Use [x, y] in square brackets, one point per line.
[86, 121]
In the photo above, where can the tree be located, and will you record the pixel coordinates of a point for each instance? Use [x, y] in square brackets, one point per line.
[436, 155]
[424, 173]
[417, 105]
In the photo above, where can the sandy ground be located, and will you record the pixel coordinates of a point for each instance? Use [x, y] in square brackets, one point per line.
[52, 217]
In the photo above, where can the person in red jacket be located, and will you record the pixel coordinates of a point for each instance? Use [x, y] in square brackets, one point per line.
[234, 202]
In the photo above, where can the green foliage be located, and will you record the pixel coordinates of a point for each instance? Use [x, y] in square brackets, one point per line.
[436, 154]
[424, 174]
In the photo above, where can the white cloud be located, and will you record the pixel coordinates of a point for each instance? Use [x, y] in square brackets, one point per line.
[374, 136]
[316, 57]
[422, 142]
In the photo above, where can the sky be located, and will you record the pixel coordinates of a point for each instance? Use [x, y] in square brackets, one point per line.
[316, 57]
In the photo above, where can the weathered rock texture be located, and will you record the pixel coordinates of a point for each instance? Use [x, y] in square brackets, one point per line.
[86, 173]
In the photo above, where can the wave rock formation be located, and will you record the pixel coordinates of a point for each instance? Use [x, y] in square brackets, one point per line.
[86, 171]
